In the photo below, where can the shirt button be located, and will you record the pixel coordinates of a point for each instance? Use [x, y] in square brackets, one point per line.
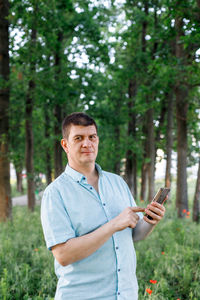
[84, 178]
[91, 188]
[118, 270]
[117, 248]
[104, 204]
[77, 181]
[118, 293]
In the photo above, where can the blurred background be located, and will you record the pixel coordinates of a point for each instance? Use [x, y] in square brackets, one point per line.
[132, 65]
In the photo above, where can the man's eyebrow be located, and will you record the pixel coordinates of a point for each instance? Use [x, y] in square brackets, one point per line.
[76, 135]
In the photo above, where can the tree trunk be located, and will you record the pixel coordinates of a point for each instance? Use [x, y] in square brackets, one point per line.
[145, 165]
[5, 190]
[58, 165]
[150, 153]
[169, 142]
[131, 161]
[196, 204]
[181, 118]
[161, 123]
[48, 150]
[181, 94]
[144, 174]
[29, 130]
[48, 168]
[117, 145]
[20, 188]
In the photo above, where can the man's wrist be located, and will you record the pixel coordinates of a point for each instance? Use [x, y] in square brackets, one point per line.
[111, 226]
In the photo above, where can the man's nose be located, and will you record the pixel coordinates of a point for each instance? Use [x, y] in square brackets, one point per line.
[86, 142]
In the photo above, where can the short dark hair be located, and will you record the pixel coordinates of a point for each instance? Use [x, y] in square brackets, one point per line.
[76, 118]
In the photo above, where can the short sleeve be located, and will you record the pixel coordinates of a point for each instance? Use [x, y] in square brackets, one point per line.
[56, 223]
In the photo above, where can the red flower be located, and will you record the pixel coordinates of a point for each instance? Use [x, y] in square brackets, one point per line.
[162, 252]
[149, 291]
[184, 211]
[188, 213]
[153, 281]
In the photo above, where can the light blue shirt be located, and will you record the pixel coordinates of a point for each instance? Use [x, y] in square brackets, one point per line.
[71, 208]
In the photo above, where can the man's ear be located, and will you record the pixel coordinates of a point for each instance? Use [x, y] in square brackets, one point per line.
[64, 145]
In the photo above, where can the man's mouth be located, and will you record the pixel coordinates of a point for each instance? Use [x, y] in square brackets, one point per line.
[86, 152]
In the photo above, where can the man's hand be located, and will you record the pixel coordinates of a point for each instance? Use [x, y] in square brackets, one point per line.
[127, 218]
[81, 247]
[156, 211]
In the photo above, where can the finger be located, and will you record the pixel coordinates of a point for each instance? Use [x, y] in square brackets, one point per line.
[153, 214]
[156, 210]
[156, 204]
[133, 222]
[135, 217]
[137, 209]
[153, 222]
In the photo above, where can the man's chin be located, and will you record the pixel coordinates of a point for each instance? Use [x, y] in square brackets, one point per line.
[88, 160]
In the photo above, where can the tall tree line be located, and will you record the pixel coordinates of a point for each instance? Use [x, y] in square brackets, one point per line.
[5, 197]
[133, 66]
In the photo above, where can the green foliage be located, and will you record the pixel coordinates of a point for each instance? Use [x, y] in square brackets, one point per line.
[169, 255]
[26, 268]
[86, 54]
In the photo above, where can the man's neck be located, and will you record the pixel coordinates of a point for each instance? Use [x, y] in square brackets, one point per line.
[89, 170]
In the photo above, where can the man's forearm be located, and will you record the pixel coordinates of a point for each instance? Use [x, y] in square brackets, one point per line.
[142, 230]
[81, 247]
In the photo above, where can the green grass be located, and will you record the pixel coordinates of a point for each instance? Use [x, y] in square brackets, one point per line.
[170, 255]
[26, 266]
[27, 269]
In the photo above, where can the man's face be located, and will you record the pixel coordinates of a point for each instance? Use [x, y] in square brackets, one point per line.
[81, 145]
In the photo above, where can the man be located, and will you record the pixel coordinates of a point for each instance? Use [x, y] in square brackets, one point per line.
[90, 221]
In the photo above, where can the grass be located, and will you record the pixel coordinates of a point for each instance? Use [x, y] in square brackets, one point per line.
[170, 255]
[26, 266]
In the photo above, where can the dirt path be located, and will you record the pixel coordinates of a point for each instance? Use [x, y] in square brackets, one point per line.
[23, 200]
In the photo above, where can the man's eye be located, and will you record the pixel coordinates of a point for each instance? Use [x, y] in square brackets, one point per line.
[78, 138]
[93, 137]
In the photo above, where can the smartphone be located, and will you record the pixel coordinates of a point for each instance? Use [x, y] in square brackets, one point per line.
[160, 197]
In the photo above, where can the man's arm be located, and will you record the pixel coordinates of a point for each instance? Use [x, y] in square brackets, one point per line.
[81, 247]
[145, 226]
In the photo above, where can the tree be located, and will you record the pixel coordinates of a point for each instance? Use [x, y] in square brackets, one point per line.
[5, 197]
[196, 205]
[169, 141]
[187, 19]
[131, 158]
[29, 111]
[181, 94]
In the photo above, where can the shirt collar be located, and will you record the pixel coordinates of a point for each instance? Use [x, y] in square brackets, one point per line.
[78, 176]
